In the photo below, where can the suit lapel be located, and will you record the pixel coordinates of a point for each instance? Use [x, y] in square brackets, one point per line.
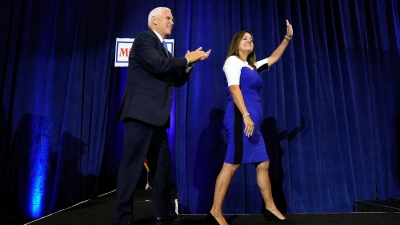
[159, 44]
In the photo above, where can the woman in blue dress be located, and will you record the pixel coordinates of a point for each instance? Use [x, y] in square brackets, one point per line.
[242, 122]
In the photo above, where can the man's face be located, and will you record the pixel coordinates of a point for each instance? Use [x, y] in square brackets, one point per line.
[164, 23]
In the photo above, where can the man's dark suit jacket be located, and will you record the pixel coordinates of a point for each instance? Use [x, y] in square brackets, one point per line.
[152, 76]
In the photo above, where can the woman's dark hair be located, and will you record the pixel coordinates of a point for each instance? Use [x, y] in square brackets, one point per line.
[234, 48]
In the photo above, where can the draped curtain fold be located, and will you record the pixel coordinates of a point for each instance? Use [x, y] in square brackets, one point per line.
[55, 62]
[327, 106]
[331, 104]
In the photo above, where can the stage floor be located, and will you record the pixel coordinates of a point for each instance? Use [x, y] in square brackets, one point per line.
[100, 211]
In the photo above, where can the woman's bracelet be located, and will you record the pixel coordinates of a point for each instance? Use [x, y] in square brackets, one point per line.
[287, 38]
[246, 115]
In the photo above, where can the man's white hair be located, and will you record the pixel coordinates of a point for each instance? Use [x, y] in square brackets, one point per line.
[156, 12]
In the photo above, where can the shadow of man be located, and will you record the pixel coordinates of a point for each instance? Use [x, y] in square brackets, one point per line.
[69, 181]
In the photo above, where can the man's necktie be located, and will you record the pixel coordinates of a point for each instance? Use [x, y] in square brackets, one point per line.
[165, 47]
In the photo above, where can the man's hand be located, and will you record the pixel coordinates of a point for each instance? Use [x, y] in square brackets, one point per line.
[205, 55]
[197, 55]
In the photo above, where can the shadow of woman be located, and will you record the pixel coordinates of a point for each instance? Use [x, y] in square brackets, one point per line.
[29, 172]
[210, 155]
[398, 147]
[272, 139]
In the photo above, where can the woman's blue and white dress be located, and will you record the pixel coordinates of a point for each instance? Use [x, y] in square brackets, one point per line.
[240, 148]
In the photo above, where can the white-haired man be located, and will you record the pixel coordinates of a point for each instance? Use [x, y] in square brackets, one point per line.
[152, 75]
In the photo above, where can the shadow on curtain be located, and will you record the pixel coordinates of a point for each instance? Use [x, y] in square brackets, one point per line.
[55, 61]
[331, 112]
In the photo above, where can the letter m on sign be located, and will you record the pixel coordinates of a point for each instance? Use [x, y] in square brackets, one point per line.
[122, 50]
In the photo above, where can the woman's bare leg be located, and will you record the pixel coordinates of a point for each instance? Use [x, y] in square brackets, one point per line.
[264, 184]
[221, 187]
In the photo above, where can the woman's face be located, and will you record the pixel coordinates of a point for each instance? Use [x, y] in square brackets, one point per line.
[246, 44]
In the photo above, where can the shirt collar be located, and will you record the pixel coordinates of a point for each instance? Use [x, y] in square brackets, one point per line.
[158, 35]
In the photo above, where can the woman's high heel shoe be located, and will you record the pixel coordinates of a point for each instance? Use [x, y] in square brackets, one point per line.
[270, 217]
[211, 219]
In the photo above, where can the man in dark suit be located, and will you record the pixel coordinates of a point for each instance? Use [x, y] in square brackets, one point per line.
[152, 75]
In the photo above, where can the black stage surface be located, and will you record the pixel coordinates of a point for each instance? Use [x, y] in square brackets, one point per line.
[100, 210]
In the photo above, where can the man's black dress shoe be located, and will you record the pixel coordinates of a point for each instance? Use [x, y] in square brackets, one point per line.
[165, 218]
[128, 222]
[170, 219]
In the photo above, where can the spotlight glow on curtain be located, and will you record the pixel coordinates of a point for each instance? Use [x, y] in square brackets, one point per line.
[37, 185]
[331, 112]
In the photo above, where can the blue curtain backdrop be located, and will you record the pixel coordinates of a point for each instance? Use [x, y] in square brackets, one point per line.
[331, 104]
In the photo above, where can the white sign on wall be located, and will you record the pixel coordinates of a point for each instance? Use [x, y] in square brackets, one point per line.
[123, 48]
